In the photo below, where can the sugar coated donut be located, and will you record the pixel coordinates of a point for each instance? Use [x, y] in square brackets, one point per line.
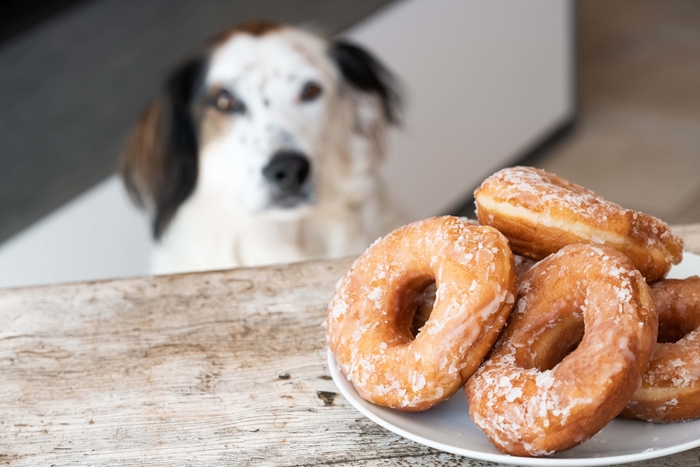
[369, 320]
[540, 213]
[525, 397]
[670, 390]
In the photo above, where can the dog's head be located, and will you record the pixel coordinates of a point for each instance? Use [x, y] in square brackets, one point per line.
[273, 118]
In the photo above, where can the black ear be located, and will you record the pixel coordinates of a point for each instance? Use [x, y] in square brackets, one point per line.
[159, 163]
[363, 71]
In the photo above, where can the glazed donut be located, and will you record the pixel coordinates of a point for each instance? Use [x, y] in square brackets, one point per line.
[532, 397]
[369, 319]
[540, 213]
[670, 390]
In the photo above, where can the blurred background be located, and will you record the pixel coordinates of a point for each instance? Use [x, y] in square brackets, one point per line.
[605, 93]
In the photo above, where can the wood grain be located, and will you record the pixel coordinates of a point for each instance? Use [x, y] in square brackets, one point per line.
[217, 368]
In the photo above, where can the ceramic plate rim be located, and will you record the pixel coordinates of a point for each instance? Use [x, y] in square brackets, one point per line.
[351, 395]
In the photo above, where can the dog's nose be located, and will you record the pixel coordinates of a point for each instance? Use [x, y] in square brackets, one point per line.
[287, 171]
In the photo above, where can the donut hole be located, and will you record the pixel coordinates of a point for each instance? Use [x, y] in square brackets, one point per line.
[555, 345]
[671, 332]
[416, 298]
[423, 306]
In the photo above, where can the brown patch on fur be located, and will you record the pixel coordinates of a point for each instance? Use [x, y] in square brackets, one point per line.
[211, 123]
[255, 28]
[142, 161]
[310, 57]
[159, 162]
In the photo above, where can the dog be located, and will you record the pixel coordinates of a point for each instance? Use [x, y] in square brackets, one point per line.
[264, 148]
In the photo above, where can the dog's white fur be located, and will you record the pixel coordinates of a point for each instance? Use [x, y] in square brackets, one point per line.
[228, 221]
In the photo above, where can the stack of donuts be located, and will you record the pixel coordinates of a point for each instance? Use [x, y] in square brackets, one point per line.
[552, 312]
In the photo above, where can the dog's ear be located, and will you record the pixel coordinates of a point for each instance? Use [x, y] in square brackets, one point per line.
[367, 74]
[159, 162]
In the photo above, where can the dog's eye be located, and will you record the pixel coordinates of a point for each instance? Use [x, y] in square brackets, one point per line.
[310, 91]
[227, 102]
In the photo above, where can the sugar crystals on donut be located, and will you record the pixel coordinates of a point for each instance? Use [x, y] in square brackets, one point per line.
[416, 314]
[530, 398]
[670, 390]
[540, 213]
[370, 319]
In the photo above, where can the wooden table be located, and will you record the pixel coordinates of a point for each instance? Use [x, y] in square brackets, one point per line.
[217, 368]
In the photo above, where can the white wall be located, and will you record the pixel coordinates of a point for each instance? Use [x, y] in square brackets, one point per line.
[483, 81]
[96, 236]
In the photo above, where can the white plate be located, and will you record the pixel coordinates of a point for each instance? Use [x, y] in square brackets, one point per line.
[447, 426]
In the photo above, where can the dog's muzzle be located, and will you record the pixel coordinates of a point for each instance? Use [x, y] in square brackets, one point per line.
[288, 174]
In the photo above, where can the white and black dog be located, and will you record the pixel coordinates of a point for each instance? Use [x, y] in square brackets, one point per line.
[264, 149]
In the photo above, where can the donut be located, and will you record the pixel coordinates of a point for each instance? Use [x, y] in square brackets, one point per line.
[369, 321]
[670, 390]
[540, 213]
[426, 299]
[534, 395]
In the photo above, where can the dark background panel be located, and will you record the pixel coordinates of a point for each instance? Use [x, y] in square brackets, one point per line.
[19, 16]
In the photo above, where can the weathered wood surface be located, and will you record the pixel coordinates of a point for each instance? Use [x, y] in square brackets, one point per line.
[219, 368]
